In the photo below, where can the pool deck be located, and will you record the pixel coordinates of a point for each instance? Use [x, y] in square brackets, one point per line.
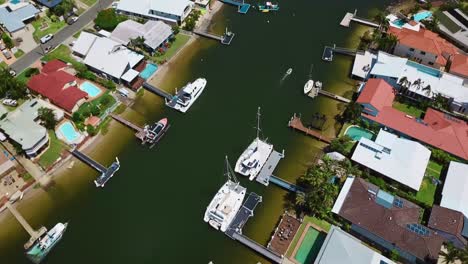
[63, 138]
[284, 234]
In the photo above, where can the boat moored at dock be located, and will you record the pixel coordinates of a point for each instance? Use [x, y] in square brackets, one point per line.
[308, 86]
[267, 7]
[185, 98]
[154, 132]
[44, 244]
[105, 176]
[226, 202]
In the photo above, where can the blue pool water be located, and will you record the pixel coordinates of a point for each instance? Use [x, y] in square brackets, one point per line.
[356, 133]
[69, 132]
[399, 22]
[91, 89]
[15, 1]
[422, 15]
[425, 69]
[148, 71]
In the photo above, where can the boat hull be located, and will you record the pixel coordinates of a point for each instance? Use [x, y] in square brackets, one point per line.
[308, 86]
[200, 85]
[255, 155]
[36, 253]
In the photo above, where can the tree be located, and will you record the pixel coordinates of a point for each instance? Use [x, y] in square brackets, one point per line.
[394, 255]
[8, 41]
[451, 255]
[11, 87]
[64, 8]
[108, 20]
[138, 42]
[175, 30]
[47, 117]
[340, 144]
[441, 102]
[352, 112]
[91, 130]
[427, 89]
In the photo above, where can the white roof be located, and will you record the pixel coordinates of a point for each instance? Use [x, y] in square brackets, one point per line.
[341, 247]
[104, 33]
[84, 43]
[399, 159]
[143, 7]
[343, 193]
[388, 65]
[363, 64]
[154, 32]
[111, 57]
[335, 156]
[392, 19]
[130, 75]
[455, 192]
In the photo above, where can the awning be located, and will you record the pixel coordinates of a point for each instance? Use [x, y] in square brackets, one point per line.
[130, 75]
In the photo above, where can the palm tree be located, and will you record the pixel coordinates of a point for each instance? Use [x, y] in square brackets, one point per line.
[451, 255]
[417, 83]
[137, 42]
[427, 89]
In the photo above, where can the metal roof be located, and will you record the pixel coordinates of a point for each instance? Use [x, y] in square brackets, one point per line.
[455, 192]
[13, 20]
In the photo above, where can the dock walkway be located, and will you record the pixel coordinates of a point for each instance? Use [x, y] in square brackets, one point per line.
[157, 91]
[285, 184]
[329, 52]
[270, 165]
[296, 123]
[35, 234]
[225, 39]
[243, 8]
[139, 131]
[258, 248]
[334, 96]
[89, 161]
[346, 21]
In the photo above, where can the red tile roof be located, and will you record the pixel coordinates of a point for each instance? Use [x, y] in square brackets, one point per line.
[427, 41]
[55, 86]
[361, 209]
[92, 120]
[53, 66]
[448, 221]
[437, 129]
[459, 65]
[378, 93]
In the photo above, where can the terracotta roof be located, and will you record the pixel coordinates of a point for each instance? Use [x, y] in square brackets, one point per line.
[54, 86]
[378, 93]
[391, 224]
[427, 41]
[448, 221]
[437, 129]
[53, 66]
[92, 120]
[459, 65]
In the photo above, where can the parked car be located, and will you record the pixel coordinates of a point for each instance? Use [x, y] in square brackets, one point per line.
[7, 54]
[46, 38]
[72, 20]
[2, 46]
[10, 102]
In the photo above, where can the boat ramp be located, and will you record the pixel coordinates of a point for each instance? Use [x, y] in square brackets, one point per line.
[296, 123]
[346, 21]
[108, 172]
[266, 172]
[235, 229]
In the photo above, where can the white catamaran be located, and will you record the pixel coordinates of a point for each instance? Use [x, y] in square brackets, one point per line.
[226, 203]
[255, 156]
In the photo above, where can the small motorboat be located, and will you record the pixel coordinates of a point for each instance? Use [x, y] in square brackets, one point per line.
[308, 86]
[267, 7]
[289, 71]
[318, 85]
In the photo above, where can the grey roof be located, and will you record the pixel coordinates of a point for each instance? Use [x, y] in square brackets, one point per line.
[13, 20]
[143, 7]
[341, 247]
[154, 32]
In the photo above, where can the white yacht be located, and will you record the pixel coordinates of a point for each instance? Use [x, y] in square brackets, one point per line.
[308, 86]
[184, 99]
[255, 156]
[226, 203]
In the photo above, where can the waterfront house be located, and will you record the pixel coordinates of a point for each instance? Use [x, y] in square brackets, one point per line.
[109, 59]
[459, 65]
[436, 129]
[174, 11]
[22, 126]
[49, 3]
[453, 24]
[421, 82]
[423, 46]
[455, 192]
[341, 247]
[450, 224]
[388, 222]
[59, 86]
[396, 158]
[155, 33]
[14, 17]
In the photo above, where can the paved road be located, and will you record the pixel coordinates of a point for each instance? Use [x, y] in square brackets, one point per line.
[29, 58]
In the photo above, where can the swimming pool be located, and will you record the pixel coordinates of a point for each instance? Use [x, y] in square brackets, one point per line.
[91, 89]
[356, 133]
[148, 71]
[425, 69]
[310, 246]
[422, 15]
[15, 1]
[68, 131]
[399, 23]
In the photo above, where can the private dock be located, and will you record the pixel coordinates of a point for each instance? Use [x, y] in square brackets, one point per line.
[157, 91]
[285, 184]
[296, 123]
[106, 173]
[35, 234]
[346, 21]
[139, 131]
[329, 51]
[225, 39]
[235, 229]
[334, 96]
[266, 172]
[242, 7]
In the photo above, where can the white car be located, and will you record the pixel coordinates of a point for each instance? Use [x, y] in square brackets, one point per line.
[10, 102]
[46, 38]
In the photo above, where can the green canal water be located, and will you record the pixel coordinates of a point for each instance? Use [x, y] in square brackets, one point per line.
[152, 210]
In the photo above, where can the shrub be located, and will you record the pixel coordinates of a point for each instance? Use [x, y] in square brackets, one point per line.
[108, 20]
[91, 130]
[31, 71]
[8, 41]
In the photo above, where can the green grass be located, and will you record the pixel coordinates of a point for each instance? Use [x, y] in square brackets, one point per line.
[409, 109]
[427, 191]
[77, 34]
[51, 29]
[319, 222]
[22, 76]
[2, 2]
[307, 219]
[56, 147]
[19, 53]
[343, 129]
[26, 177]
[179, 42]
[88, 2]
[3, 64]
[63, 53]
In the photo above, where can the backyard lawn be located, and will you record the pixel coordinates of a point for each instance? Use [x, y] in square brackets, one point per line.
[63, 53]
[180, 41]
[427, 191]
[19, 53]
[410, 110]
[56, 147]
[88, 2]
[51, 28]
[307, 219]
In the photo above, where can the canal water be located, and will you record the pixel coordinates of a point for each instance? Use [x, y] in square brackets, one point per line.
[152, 210]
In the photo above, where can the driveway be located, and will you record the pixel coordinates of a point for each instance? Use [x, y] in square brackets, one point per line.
[26, 34]
[29, 58]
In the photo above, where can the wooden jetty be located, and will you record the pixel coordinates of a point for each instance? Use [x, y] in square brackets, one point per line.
[285, 184]
[139, 131]
[225, 39]
[346, 21]
[329, 51]
[334, 96]
[35, 234]
[242, 7]
[296, 123]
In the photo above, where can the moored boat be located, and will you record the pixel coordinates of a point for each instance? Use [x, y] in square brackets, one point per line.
[308, 86]
[184, 99]
[154, 132]
[267, 7]
[44, 245]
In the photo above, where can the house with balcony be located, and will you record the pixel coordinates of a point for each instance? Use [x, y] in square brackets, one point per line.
[173, 12]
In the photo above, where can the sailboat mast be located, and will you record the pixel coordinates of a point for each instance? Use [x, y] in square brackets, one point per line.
[258, 122]
[230, 174]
